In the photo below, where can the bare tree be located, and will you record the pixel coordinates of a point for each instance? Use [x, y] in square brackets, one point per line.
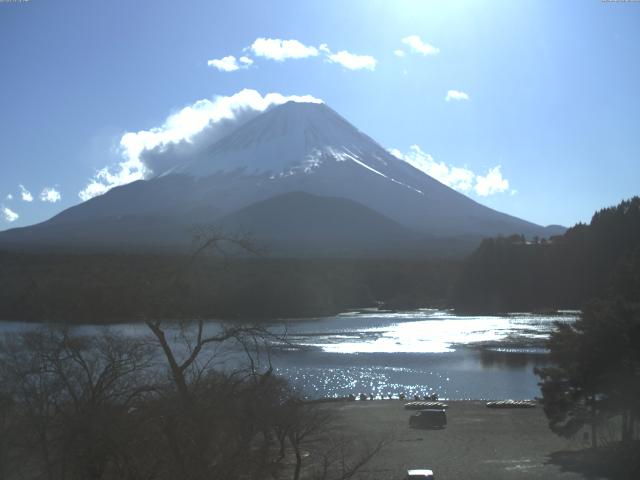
[235, 415]
[331, 455]
[6, 432]
[341, 460]
[72, 395]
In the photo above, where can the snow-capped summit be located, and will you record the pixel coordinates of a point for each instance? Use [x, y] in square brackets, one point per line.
[298, 138]
[291, 138]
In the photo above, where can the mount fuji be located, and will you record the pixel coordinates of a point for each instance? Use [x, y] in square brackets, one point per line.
[299, 177]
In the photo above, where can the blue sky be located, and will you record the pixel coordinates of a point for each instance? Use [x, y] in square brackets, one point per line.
[542, 120]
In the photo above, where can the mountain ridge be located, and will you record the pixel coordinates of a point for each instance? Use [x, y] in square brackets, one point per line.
[294, 147]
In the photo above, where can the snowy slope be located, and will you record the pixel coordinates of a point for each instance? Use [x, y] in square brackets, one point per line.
[294, 138]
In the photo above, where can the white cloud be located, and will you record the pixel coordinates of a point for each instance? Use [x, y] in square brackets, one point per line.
[491, 183]
[50, 194]
[352, 61]
[458, 178]
[456, 95]
[9, 196]
[454, 177]
[224, 64]
[230, 63]
[349, 60]
[127, 171]
[25, 194]
[8, 214]
[399, 53]
[279, 50]
[416, 45]
[203, 122]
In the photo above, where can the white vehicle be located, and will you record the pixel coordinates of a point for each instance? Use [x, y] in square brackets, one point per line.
[420, 474]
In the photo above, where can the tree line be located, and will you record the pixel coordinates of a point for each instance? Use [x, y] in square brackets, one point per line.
[106, 288]
[597, 260]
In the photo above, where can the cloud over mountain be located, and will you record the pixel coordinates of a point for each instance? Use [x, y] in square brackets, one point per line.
[459, 178]
[156, 150]
[186, 133]
[492, 182]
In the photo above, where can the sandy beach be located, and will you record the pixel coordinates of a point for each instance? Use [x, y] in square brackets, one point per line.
[478, 442]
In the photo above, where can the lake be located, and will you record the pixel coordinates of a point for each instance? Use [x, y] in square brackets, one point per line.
[417, 352]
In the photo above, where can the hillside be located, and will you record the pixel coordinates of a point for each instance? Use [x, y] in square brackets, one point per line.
[589, 261]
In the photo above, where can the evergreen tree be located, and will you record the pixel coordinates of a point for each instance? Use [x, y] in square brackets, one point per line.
[596, 370]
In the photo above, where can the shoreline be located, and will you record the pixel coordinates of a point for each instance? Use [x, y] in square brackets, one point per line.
[402, 402]
[302, 318]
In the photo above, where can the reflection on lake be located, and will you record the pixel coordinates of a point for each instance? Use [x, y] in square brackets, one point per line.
[421, 331]
[418, 352]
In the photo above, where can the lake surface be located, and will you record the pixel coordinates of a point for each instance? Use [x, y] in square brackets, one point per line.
[418, 352]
